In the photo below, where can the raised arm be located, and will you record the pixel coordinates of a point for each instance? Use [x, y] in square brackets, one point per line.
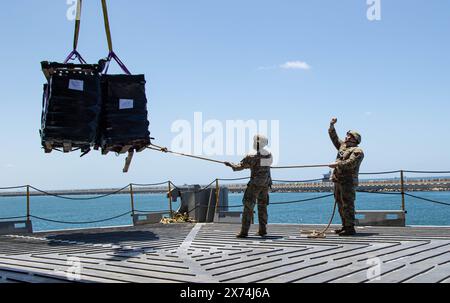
[333, 135]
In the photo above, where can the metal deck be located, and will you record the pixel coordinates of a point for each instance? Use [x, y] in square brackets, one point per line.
[211, 253]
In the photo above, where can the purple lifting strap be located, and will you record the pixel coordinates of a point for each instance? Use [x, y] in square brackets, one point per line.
[113, 55]
[73, 56]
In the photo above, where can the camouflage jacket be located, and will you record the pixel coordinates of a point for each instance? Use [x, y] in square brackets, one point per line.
[349, 160]
[260, 168]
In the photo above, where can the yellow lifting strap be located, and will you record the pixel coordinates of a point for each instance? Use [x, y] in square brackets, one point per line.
[77, 24]
[107, 27]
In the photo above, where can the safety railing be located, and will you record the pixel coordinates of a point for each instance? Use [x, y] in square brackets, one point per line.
[379, 187]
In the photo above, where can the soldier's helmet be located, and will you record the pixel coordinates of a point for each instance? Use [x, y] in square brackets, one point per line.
[355, 135]
[261, 139]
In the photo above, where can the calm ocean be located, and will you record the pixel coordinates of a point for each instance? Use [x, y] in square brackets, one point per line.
[318, 211]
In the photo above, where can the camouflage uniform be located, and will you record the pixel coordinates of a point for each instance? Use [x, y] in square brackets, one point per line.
[257, 189]
[345, 177]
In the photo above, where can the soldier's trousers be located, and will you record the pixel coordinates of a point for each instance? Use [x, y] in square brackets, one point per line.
[252, 195]
[345, 194]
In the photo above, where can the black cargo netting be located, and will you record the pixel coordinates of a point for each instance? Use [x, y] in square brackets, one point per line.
[124, 123]
[71, 106]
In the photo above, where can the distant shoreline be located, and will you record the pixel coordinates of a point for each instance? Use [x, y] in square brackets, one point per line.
[316, 187]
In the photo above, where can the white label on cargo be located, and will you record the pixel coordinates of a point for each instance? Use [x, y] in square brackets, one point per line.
[76, 84]
[126, 103]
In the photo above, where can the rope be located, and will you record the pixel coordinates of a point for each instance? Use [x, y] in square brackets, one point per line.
[13, 218]
[303, 200]
[13, 187]
[148, 185]
[299, 181]
[165, 150]
[151, 211]
[321, 234]
[426, 172]
[383, 172]
[379, 192]
[235, 179]
[89, 222]
[428, 200]
[300, 166]
[78, 199]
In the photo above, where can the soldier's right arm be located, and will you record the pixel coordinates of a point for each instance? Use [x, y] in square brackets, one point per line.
[245, 164]
[334, 137]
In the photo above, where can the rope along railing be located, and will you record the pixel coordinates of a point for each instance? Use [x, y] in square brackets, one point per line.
[427, 200]
[81, 223]
[79, 198]
[171, 185]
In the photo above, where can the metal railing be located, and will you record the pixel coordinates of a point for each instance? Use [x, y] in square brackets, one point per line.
[403, 192]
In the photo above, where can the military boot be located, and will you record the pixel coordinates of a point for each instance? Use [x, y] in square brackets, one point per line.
[262, 232]
[348, 231]
[242, 234]
[338, 231]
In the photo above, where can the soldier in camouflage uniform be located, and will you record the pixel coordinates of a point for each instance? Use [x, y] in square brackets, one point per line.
[258, 186]
[345, 176]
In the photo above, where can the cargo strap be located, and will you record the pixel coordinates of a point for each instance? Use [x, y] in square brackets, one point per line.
[77, 24]
[75, 54]
[107, 27]
[112, 55]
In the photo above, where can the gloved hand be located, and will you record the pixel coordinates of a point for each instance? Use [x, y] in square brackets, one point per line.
[333, 165]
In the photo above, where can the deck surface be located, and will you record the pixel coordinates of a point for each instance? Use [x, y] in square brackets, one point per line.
[211, 253]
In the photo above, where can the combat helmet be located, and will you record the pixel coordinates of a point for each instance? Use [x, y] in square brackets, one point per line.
[355, 135]
[260, 140]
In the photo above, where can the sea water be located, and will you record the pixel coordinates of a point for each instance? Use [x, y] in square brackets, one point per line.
[314, 212]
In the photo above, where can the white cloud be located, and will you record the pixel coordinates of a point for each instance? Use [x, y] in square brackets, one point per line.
[295, 65]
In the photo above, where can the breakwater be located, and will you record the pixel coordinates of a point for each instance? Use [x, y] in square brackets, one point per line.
[300, 187]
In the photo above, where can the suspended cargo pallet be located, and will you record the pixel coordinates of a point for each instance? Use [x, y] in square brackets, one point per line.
[71, 106]
[124, 124]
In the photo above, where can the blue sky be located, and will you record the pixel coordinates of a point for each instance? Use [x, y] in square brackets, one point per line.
[388, 79]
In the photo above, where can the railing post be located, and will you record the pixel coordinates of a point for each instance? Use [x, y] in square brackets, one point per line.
[132, 200]
[402, 188]
[28, 203]
[216, 210]
[169, 195]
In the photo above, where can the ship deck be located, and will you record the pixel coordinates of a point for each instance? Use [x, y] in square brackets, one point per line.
[210, 253]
